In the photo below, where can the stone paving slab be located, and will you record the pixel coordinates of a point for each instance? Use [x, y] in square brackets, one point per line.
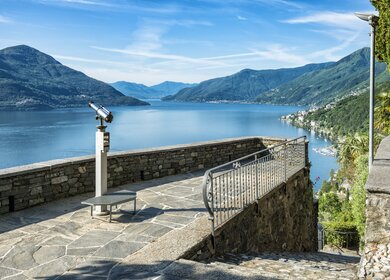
[60, 240]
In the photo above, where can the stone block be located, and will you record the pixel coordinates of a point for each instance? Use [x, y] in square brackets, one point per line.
[59, 180]
[6, 187]
[72, 181]
[82, 169]
[118, 169]
[36, 201]
[38, 180]
[36, 190]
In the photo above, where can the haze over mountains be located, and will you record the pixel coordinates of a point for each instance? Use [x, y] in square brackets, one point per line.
[144, 92]
[306, 85]
[30, 79]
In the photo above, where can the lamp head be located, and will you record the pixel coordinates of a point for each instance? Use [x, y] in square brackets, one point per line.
[370, 17]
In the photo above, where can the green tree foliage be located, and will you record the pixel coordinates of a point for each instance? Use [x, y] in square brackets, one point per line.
[350, 115]
[358, 193]
[341, 234]
[329, 206]
[382, 113]
[382, 44]
[352, 147]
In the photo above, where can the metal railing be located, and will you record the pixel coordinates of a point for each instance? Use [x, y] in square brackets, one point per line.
[230, 187]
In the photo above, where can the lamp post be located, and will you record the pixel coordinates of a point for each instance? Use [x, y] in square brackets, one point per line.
[372, 21]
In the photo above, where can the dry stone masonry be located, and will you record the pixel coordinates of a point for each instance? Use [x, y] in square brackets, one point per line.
[281, 221]
[375, 262]
[29, 185]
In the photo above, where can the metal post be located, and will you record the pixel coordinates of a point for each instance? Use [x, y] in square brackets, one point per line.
[101, 169]
[285, 163]
[372, 20]
[257, 177]
[372, 95]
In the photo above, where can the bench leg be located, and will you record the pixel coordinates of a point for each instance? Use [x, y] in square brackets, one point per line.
[91, 211]
[110, 212]
[135, 205]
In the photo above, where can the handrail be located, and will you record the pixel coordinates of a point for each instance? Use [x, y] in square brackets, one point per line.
[245, 181]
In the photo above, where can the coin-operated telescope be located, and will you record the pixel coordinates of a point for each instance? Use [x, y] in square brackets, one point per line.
[102, 148]
[101, 113]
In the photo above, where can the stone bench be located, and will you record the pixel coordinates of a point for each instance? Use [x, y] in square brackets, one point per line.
[110, 199]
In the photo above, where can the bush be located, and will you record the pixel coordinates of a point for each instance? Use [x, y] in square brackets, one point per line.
[341, 234]
[329, 206]
[358, 193]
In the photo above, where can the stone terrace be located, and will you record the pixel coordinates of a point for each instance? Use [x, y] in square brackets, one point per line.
[59, 240]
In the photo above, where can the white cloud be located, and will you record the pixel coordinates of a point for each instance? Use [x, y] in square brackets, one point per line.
[344, 20]
[78, 2]
[87, 60]
[158, 55]
[107, 4]
[288, 3]
[330, 54]
[279, 53]
[241, 17]
[4, 19]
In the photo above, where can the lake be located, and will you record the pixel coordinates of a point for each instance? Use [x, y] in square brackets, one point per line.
[29, 137]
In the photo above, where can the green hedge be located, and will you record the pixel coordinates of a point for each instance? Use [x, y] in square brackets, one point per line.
[341, 234]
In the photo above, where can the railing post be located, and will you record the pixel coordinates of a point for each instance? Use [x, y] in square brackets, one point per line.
[212, 218]
[285, 163]
[257, 178]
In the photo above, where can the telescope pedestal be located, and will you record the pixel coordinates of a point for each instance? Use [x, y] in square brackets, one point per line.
[101, 170]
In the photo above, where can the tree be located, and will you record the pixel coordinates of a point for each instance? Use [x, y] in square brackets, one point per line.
[329, 206]
[358, 201]
[352, 147]
[382, 44]
[382, 113]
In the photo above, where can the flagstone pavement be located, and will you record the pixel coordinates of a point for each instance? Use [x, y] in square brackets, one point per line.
[59, 240]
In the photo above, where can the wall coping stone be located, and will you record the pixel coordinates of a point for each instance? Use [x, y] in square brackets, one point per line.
[379, 177]
[47, 165]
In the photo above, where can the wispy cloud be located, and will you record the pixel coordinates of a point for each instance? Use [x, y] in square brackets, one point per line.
[78, 2]
[158, 55]
[95, 61]
[149, 7]
[288, 3]
[241, 17]
[148, 43]
[277, 52]
[4, 19]
[330, 54]
[344, 20]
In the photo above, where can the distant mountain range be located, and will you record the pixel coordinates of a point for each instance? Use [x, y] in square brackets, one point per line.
[144, 92]
[325, 85]
[31, 80]
[306, 85]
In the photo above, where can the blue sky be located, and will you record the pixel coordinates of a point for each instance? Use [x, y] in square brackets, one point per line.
[184, 40]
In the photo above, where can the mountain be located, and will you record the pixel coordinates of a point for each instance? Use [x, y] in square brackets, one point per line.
[324, 85]
[347, 116]
[136, 90]
[145, 92]
[30, 79]
[245, 85]
[169, 88]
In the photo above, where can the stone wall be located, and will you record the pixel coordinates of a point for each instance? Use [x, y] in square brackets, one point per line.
[29, 185]
[283, 220]
[375, 261]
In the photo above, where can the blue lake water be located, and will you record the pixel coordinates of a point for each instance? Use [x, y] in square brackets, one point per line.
[28, 137]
